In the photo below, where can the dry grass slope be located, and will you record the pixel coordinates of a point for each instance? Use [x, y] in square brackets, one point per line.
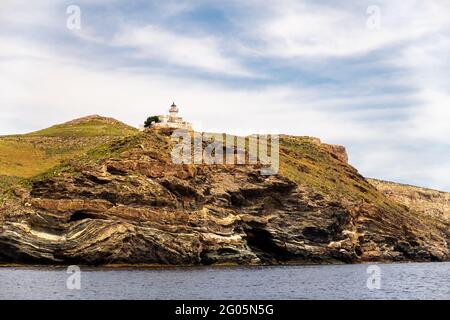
[31, 154]
[430, 202]
[309, 163]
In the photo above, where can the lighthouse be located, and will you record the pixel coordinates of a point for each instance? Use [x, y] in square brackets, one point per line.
[172, 120]
[173, 112]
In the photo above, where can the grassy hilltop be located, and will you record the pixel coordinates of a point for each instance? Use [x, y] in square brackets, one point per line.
[23, 156]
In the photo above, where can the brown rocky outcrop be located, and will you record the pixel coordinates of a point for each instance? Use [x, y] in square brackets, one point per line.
[338, 152]
[133, 205]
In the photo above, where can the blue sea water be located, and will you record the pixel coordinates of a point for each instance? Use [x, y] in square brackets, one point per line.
[397, 281]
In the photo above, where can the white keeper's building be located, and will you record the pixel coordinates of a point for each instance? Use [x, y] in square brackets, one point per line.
[172, 120]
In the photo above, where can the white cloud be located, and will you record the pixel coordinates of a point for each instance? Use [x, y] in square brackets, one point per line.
[428, 73]
[23, 13]
[291, 28]
[397, 161]
[431, 120]
[200, 51]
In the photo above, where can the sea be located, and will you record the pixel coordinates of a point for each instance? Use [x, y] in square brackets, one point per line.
[343, 282]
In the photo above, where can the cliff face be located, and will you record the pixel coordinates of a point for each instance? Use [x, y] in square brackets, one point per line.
[430, 202]
[126, 202]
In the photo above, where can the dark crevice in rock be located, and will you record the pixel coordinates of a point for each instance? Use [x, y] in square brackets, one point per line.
[82, 215]
[97, 180]
[264, 246]
[9, 253]
[109, 196]
[181, 188]
[237, 199]
[115, 171]
[316, 234]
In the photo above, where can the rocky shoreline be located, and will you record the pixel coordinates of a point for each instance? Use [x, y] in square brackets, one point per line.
[129, 204]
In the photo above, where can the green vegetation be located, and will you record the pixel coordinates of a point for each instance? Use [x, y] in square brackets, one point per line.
[150, 120]
[6, 183]
[156, 145]
[113, 149]
[309, 164]
[90, 128]
[34, 153]
[25, 157]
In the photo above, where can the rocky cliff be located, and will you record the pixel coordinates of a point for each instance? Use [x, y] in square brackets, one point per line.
[430, 202]
[126, 202]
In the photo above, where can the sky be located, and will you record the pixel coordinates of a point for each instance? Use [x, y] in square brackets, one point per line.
[370, 75]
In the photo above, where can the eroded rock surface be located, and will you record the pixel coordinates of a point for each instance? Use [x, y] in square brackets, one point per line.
[136, 206]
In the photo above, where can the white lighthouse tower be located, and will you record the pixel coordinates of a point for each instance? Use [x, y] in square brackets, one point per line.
[173, 113]
[172, 120]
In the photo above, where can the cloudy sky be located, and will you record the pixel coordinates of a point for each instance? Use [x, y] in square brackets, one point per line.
[370, 75]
